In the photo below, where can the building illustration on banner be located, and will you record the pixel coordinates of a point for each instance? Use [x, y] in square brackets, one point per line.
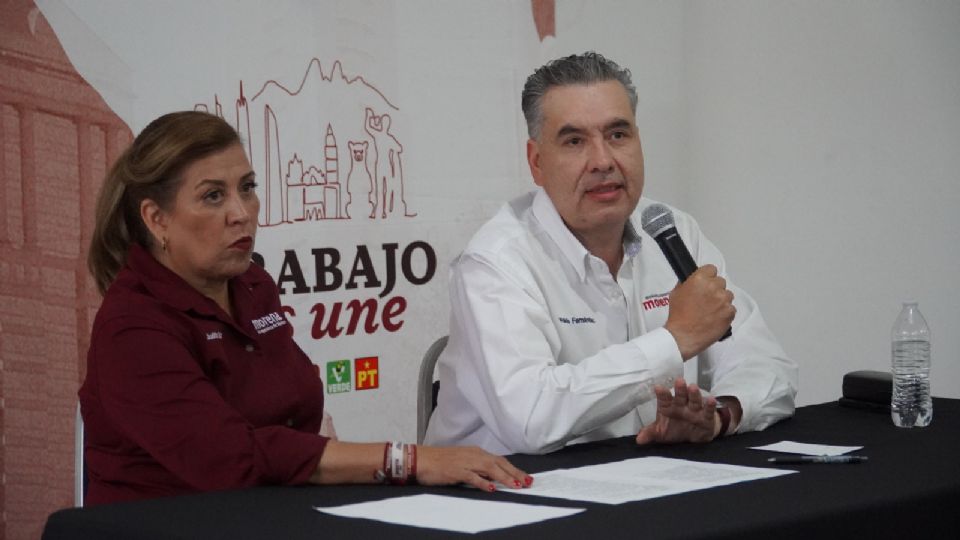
[326, 150]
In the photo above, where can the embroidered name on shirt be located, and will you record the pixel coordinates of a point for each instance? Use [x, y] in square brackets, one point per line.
[652, 303]
[214, 335]
[268, 322]
[577, 320]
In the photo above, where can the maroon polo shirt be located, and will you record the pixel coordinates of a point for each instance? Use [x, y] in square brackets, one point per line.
[180, 398]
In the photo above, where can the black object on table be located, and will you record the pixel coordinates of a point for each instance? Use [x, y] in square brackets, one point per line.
[909, 488]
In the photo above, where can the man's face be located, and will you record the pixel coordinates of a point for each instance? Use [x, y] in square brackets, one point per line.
[588, 157]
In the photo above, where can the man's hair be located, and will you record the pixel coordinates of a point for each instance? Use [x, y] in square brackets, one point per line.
[586, 68]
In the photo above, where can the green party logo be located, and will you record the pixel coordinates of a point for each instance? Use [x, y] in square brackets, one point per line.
[338, 376]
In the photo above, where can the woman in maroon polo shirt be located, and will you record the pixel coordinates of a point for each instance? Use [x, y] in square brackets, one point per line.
[194, 382]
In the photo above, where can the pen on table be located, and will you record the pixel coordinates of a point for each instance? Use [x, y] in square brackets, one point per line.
[818, 459]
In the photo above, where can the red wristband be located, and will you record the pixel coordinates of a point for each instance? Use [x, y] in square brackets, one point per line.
[382, 475]
[725, 417]
[397, 475]
[413, 463]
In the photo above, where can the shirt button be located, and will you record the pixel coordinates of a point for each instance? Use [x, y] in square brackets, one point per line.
[290, 422]
[249, 347]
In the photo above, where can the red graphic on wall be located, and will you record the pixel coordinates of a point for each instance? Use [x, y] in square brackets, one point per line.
[298, 139]
[57, 140]
[367, 373]
[544, 17]
[387, 166]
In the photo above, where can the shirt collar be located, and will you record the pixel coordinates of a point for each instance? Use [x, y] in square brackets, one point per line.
[577, 255]
[167, 286]
[632, 241]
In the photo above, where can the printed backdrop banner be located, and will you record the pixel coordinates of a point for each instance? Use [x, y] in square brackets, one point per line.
[372, 147]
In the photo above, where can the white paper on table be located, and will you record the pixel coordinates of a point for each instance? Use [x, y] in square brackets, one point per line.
[449, 513]
[791, 447]
[641, 478]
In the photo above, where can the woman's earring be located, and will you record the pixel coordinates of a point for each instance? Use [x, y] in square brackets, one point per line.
[163, 243]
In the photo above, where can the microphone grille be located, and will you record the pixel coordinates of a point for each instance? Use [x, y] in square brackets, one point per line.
[655, 218]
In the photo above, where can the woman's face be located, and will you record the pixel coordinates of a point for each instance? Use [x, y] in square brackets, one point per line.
[210, 230]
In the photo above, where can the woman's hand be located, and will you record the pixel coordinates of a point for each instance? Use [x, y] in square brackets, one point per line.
[469, 465]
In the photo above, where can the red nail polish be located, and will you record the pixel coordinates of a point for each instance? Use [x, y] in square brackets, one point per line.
[516, 483]
[528, 480]
[491, 488]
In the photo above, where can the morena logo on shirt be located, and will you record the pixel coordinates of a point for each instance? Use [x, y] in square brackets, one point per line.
[656, 301]
[268, 322]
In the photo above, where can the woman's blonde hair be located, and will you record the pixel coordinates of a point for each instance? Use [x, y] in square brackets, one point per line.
[149, 169]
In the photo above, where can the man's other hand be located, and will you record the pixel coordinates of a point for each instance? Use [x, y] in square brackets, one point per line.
[684, 416]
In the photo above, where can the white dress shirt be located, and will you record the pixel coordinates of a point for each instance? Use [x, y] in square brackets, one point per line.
[547, 349]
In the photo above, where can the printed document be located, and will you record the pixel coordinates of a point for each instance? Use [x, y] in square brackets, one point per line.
[450, 513]
[791, 447]
[640, 478]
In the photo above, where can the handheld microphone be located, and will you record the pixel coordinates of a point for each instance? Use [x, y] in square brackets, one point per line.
[657, 220]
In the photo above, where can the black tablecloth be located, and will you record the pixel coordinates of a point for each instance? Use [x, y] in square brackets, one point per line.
[909, 488]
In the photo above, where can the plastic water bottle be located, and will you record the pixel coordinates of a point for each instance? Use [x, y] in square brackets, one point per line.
[911, 405]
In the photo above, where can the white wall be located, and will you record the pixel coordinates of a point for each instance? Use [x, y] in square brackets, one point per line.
[824, 150]
[647, 38]
[815, 141]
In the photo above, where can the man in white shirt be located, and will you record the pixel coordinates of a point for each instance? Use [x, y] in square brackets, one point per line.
[567, 322]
